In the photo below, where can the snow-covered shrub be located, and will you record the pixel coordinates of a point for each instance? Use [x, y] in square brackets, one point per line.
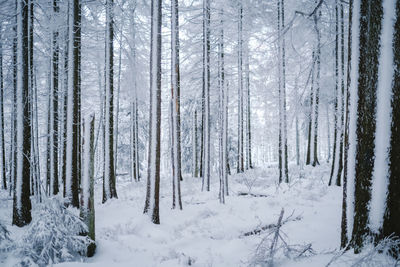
[56, 234]
[6, 243]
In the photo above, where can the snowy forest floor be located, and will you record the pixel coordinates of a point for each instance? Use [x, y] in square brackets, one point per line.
[207, 233]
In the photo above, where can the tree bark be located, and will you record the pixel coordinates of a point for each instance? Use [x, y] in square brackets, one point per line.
[22, 203]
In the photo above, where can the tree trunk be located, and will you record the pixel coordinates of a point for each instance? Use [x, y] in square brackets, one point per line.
[73, 111]
[391, 226]
[335, 156]
[207, 123]
[370, 30]
[22, 203]
[240, 157]
[311, 114]
[87, 186]
[194, 146]
[153, 175]
[317, 17]
[344, 229]
[283, 157]
[342, 75]
[109, 188]
[3, 178]
[175, 98]
[249, 163]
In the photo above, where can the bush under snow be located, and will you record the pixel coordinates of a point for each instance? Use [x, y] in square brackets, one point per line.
[56, 234]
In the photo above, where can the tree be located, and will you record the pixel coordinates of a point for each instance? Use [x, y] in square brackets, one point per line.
[206, 123]
[195, 160]
[283, 157]
[87, 212]
[344, 238]
[175, 105]
[109, 187]
[391, 216]
[73, 108]
[152, 202]
[22, 203]
[375, 203]
[240, 158]
[317, 17]
[3, 178]
[222, 137]
[249, 163]
[52, 161]
[134, 132]
[337, 161]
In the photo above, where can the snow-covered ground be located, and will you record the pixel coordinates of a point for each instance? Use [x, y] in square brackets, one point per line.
[207, 233]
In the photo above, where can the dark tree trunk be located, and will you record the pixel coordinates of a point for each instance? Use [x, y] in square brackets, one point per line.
[22, 203]
[54, 118]
[341, 127]
[109, 168]
[335, 138]
[310, 116]
[391, 225]
[370, 29]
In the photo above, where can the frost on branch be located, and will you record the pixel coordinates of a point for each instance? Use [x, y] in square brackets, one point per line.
[56, 234]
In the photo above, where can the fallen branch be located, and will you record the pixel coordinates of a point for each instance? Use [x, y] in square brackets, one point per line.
[251, 194]
[272, 225]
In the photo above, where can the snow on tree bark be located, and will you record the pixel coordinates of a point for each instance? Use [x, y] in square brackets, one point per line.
[370, 30]
[153, 170]
[87, 212]
[391, 218]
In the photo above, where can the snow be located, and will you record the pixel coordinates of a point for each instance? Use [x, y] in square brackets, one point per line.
[208, 233]
[383, 119]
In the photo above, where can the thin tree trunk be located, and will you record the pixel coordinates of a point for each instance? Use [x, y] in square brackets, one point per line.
[153, 177]
[335, 158]
[175, 98]
[194, 146]
[317, 17]
[206, 121]
[109, 188]
[344, 229]
[3, 178]
[240, 158]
